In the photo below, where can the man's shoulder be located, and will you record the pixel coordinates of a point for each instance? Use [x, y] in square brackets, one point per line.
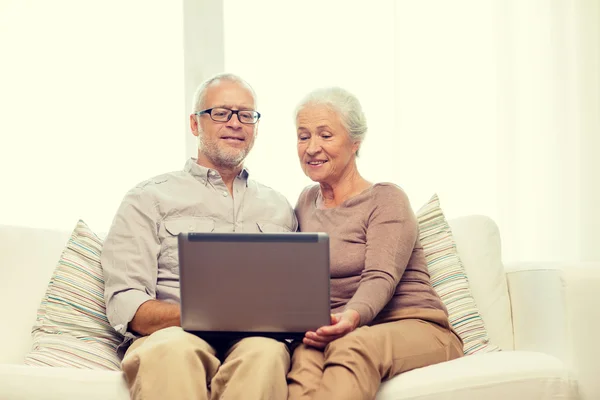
[158, 180]
[152, 189]
[268, 191]
[274, 206]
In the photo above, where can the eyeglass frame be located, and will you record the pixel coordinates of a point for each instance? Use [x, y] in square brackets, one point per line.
[209, 112]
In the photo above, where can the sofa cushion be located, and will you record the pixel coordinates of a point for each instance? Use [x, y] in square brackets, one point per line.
[71, 328]
[27, 258]
[21, 382]
[449, 278]
[477, 241]
[497, 375]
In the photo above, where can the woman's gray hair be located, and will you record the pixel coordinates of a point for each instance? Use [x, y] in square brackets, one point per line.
[198, 100]
[345, 104]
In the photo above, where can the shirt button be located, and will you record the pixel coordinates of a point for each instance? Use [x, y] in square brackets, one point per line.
[224, 194]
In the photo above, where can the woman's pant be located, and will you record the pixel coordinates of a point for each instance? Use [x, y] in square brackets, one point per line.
[354, 366]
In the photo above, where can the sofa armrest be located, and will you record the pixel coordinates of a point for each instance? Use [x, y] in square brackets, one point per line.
[554, 311]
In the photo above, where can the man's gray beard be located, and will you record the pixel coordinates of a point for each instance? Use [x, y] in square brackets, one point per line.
[218, 157]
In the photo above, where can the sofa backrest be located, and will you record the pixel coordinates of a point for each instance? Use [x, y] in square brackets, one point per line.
[478, 244]
[27, 259]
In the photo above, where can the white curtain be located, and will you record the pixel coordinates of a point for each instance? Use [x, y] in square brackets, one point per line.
[492, 104]
[91, 100]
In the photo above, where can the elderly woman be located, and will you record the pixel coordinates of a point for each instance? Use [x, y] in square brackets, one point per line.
[387, 318]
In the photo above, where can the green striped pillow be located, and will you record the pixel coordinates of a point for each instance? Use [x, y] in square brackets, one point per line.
[71, 328]
[449, 278]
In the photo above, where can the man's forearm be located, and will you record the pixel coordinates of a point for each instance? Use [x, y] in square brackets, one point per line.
[154, 315]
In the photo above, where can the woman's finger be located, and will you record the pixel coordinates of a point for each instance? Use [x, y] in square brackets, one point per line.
[335, 318]
[313, 343]
[316, 337]
[340, 328]
[324, 339]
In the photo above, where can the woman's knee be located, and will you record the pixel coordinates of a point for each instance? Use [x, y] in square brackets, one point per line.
[307, 355]
[349, 349]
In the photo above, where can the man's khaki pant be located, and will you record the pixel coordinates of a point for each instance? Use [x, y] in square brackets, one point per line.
[173, 364]
[353, 366]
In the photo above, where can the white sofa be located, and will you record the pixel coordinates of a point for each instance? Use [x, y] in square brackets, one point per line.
[543, 316]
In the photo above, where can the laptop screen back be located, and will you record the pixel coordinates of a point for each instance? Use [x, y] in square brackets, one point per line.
[273, 284]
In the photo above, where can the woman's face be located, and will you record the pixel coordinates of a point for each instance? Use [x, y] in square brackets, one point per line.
[325, 149]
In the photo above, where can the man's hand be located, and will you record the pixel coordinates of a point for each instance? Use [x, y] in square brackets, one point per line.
[341, 324]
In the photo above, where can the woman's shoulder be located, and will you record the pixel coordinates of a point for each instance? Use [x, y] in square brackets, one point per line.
[388, 194]
[388, 189]
[309, 191]
[307, 195]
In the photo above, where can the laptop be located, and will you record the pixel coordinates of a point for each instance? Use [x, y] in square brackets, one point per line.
[254, 284]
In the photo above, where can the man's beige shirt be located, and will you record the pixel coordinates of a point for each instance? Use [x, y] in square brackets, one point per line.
[140, 257]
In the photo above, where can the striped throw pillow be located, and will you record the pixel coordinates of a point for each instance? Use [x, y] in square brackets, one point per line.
[71, 328]
[449, 278]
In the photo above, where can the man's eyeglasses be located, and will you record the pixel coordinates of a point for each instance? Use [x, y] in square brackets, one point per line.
[220, 114]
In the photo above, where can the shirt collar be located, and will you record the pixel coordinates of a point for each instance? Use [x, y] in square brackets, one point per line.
[205, 174]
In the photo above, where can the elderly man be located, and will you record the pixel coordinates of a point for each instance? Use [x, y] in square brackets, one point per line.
[140, 259]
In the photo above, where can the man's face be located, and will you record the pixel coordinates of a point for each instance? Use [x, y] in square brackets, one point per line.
[224, 144]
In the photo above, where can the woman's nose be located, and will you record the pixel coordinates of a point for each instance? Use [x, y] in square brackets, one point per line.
[313, 147]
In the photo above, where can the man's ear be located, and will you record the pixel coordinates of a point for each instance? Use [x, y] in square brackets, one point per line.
[194, 124]
[355, 147]
[256, 128]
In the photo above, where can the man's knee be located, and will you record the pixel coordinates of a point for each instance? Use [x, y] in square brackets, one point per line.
[264, 350]
[170, 342]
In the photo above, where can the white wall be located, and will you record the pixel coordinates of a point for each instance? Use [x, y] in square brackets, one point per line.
[286, 49]
[427, 84]
[492, 104]
[91, 95]
[446, 104]
[203, 54]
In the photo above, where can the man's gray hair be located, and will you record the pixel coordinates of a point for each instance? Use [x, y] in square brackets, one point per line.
[199, 95]
[345, 104]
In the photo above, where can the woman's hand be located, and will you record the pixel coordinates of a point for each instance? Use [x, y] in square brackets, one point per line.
[341, 324]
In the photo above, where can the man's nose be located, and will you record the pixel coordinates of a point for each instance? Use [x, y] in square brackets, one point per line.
[234, 122]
